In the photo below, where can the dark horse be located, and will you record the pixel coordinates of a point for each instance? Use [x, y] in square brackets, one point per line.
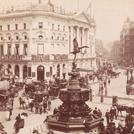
[120, 109]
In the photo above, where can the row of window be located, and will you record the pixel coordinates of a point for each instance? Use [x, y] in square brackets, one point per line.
[16, 37]
[53, 27]
[58, 38]
[16, 27]
[16, 49]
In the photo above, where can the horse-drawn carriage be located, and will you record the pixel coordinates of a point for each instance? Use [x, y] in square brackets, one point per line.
[56, 86]
[130, 89]
[4, 93]
[34, 88]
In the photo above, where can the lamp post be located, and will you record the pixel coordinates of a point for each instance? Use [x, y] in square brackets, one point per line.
[127, 74]
[105, 83]
[131, 74]
[101, 93]
[101, 88]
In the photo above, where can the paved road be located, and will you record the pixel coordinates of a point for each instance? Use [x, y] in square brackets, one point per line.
[117, 88]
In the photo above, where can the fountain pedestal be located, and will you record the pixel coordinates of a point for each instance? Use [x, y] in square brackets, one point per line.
[74, 113]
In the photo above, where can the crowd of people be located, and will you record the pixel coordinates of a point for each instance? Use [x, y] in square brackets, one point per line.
[39, 104]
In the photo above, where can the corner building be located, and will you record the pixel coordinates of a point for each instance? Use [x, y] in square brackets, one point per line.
[37, 41]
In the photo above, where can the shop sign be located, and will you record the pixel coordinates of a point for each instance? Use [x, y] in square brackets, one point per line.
[12, 58]
[40, 58]
[60, 57]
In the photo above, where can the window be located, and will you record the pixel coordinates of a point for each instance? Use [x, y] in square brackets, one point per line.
[17, 49]
[1, 38]
[9, 38]
[40, 48]
[40, 25]
[25, 49]
[25, 37]
[17, 37]
[53, 26]
[1, 50]
[63, 38]
[58, 38]
[0, 27]
[40, 37]
[8, 27]
[51, 71]
[29, 72]
[25, 26]
[58, 27]
[52, 37]
[16, 26]
[63, 28]
[9, 49]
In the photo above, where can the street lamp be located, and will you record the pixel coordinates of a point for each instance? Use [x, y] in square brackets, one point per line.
[101, 88]
[101, 94]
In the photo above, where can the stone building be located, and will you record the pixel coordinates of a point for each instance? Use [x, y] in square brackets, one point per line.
[127, 42]
[116, 52]
[37, 41]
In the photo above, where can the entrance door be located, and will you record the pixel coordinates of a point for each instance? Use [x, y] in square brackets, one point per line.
[17, 70]
[40, 73]
[24, 71]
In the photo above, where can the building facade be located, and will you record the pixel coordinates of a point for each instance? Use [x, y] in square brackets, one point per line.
[116, 52]
[127, 42]
[37, 42]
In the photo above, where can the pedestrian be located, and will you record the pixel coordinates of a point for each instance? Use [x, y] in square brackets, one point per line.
[85, 122]
[99, 113]
[91, 94]
[40, 107]
[36, 105]
[10, 109]
[35, 131]
[109, 81]
[44, 105]
[95, 111]
[19, 123]
[112, 113]
[31, 104]
[105, 84]
[107, 115]
[49, 104]
[50, 131]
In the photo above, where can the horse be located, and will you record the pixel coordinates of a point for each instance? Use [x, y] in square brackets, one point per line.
[22, 102]
[120, 109]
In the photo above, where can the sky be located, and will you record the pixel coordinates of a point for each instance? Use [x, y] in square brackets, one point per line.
[109, 14]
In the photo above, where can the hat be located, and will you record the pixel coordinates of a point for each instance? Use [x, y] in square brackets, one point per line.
[35, 131]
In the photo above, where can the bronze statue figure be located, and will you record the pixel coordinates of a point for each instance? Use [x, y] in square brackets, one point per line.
[76, 49]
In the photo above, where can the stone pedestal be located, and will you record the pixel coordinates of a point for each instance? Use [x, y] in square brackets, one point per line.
[74, 113]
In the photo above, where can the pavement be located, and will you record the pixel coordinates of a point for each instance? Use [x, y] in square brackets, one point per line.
[116, 88]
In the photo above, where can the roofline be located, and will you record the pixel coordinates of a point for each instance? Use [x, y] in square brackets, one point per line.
[39, 12]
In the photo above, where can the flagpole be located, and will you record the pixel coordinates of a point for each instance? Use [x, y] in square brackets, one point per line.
[77, 5]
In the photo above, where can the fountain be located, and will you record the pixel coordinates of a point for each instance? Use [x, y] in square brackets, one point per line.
[74, 114]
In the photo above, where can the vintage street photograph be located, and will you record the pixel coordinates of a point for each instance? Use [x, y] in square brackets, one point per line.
[66, 66]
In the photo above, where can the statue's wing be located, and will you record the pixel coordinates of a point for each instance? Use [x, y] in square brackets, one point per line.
[83, 47]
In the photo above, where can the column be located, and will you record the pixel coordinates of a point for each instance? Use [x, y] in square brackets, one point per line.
[5, 48]
[82, 40]
[13, 69]
[12, 48]
[72, 37]
[21, 72]
[21, 45]
[88, 43]
[78, 35]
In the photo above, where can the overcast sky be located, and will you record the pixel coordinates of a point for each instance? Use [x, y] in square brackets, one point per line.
[109, 14]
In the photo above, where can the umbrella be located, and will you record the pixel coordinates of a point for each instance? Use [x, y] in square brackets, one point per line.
[24, 114]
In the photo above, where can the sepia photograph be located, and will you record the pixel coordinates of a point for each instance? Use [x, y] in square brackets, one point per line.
[66, 66]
